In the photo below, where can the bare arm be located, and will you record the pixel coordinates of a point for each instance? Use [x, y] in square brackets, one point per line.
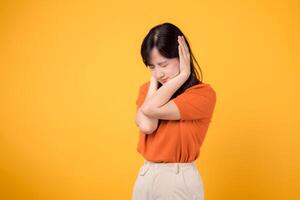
[158, 104]
[145, 123]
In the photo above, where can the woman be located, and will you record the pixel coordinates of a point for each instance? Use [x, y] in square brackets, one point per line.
[174, 110]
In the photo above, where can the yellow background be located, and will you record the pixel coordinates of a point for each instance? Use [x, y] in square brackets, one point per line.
[69, 77]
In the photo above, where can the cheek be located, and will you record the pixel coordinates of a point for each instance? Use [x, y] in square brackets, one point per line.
[174, 70]
[152, 73]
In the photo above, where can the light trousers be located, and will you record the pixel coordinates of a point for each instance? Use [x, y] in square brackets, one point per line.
[168, 181]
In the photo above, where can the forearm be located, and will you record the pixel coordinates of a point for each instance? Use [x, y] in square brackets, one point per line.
[164, 93]
[152, 89]
[146, 123]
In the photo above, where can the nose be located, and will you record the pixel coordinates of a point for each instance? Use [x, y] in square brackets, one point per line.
[160, 74]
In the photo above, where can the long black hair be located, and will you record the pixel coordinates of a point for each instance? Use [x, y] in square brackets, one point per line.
[164, 38]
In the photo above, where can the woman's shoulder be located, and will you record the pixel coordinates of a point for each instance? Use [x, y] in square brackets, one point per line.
[197, 87]
[145, 85]
[200, 86]
[200, 89]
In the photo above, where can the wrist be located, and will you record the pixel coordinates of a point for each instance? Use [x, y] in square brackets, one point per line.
[153, 82]
[184, 75]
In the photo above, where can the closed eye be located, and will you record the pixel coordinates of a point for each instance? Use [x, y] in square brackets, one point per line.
[152, 67]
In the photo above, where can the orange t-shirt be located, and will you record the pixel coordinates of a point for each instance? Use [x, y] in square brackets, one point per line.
[179, 140]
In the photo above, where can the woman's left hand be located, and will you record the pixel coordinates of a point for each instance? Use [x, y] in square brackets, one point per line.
[184, 57]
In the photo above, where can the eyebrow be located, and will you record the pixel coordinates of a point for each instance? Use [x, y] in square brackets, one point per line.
[160, 63]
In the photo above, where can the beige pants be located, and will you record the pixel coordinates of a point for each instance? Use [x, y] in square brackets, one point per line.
[168, 181]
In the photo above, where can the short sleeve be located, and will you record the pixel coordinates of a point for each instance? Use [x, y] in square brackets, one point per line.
[196, 103]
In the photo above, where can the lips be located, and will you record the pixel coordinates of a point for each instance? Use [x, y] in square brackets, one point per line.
[164, 80]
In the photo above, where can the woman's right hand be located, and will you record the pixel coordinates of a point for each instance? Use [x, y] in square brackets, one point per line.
[153, 82]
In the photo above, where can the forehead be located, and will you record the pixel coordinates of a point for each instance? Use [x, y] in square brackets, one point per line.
[157, 58]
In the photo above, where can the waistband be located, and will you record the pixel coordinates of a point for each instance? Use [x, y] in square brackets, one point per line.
[169, 164]
[176, 166]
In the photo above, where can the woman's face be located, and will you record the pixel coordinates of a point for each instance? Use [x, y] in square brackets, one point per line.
[161, 68]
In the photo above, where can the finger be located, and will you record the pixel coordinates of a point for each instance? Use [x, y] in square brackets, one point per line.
[180, 52]
[183, 53]
[181, 48]
[186, 49]
[184, 43]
